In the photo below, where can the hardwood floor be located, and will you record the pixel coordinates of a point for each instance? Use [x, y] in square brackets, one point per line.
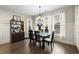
[23, 47]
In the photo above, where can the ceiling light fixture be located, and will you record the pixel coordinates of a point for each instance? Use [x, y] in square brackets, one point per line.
[39, 20]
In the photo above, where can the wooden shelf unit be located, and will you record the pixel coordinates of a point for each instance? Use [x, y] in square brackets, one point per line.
[16, 30]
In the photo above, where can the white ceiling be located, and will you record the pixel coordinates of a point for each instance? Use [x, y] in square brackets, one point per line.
[30, 9]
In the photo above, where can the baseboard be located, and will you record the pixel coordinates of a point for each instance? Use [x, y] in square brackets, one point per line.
[26, 38]
[5, 44]
[77, 44]
[70, 42]
[66, 42]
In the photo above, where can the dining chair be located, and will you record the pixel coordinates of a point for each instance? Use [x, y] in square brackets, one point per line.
[37, 38]
[50, 40]
[31, 36]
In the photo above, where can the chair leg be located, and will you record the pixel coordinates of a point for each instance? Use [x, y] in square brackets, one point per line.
[40, 45]
[30, 40]
[33, 40]
[51, 46]
[48, 43]
[34, 43]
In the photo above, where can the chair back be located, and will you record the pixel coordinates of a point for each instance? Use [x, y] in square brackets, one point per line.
[31, 34]
[36, 35]
[52, 36]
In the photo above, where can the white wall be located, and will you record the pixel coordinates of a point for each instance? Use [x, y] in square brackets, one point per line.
[76, 28]
[70, 18]
[5, 17]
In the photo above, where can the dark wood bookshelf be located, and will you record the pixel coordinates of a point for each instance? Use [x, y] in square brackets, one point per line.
[16, 30]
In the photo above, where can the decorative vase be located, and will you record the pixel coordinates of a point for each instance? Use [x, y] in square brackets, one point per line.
[46, 29]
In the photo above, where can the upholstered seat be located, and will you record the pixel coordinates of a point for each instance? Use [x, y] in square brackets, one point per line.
[48, 39]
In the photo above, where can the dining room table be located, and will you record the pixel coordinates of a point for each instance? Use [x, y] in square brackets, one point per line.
[44, 35]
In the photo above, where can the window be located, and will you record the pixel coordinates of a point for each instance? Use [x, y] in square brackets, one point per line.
[59, 23]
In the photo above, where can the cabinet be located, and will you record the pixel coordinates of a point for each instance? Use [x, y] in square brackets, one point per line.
[16, 30]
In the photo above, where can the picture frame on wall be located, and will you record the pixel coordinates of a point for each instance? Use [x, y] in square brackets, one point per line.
[15, 17]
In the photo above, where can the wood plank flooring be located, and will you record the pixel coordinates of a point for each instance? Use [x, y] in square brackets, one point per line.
[23, 47]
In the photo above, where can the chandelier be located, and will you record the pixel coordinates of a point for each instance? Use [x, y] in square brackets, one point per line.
[39, 24]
